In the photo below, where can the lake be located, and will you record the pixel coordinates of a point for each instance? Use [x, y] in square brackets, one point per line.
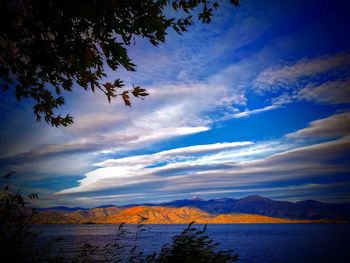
[253, 242]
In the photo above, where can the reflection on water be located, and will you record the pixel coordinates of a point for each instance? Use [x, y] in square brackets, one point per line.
[254, 242]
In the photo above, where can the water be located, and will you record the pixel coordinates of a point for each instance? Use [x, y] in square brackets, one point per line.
[254, 242]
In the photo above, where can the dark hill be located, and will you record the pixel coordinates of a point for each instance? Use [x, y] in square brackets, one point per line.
[259, 205]
[60, 209]
[254, 204]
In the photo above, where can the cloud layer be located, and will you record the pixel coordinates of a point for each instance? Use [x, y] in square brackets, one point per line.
[280, 76]
[224, 168]
[337, 125]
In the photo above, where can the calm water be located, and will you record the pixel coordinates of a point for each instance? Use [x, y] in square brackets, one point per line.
[253, 242]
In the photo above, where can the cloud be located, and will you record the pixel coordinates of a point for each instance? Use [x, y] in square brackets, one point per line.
[332, 92]
[337, 125]
[137, 168]
[215, 168]
[202, 48]
[173, 153]
[94, 122]
[315, 153]
[247, 113]
[322, 80]
[173, 109]
[186, 88]
[283, 76]
[295, 192]
[301, 163]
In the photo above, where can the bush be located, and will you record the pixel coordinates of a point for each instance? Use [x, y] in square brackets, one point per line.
[15, 237]
[17, 241]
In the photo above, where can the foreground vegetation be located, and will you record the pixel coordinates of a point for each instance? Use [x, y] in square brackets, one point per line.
[18, 243]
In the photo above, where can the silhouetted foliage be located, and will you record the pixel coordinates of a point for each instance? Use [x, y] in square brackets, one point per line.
[14, 223]
[17, 241]
[48, 47]
[194, 246]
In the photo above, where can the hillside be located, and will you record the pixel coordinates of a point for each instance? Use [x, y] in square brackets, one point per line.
[252, 209]
[308, 209]
[74, 217]
[152, 215]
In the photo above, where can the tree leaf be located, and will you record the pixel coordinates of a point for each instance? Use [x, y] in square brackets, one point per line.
[126, 98]
[139, 92]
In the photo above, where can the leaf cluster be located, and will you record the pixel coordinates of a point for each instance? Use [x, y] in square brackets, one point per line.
[50, 47]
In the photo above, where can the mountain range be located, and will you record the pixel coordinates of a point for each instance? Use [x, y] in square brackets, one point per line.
[251, 209]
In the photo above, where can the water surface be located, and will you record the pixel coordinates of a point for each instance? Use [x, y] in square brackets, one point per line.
[254, 242]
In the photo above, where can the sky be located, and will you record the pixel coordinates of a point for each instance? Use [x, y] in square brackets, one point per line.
[257, 102]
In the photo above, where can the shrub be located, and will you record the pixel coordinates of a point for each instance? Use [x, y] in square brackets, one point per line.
[17, 241]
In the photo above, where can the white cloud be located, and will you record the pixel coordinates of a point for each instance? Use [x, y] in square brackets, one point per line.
[134, 168]
[332, 92]
[200, 149]
[95, 122]
[320, 152]
[247, 113]
[63, 165]
[215, 167]
[285, 75]
[337, 125]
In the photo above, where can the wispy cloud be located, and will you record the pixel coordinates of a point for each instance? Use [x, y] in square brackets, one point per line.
[332, 92]
[283, 76]
[247, 113]
[290, 192]
[174, 153]
[337, 125]
[215, 168]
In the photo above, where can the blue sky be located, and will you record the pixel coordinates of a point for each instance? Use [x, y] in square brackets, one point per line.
[257, 102]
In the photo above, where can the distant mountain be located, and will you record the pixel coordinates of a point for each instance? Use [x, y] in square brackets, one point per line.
[152, 215]
[259, 205]
[185, 215]
[223, 209]
[76, 216]
[105, 206]
[60, 209]
[215, 206]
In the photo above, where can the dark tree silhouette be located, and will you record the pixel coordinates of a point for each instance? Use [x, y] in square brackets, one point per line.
[48, 47]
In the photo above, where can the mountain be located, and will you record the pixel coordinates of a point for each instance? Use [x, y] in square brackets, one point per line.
[75, 216]
[153, 215]
[105, 206]
[259, 205]
[185, 215]
[158, 215]
[224, 210]
[215, 206]
[60, 209]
